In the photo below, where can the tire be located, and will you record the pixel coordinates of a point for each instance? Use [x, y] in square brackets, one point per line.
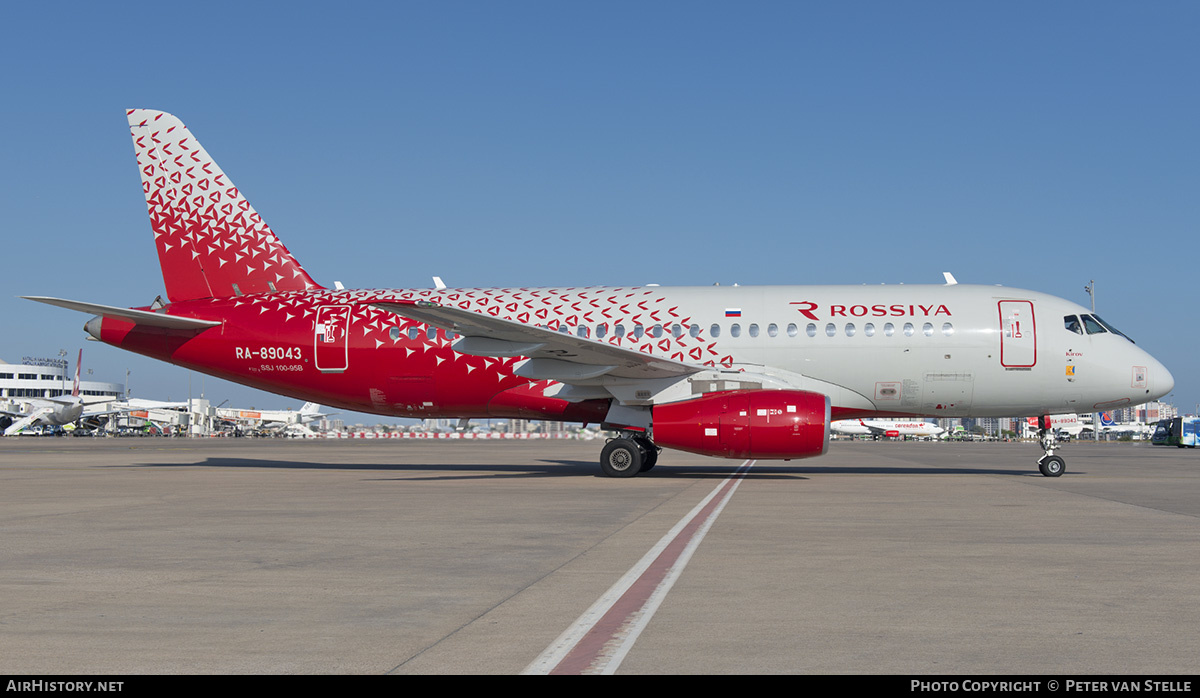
[649, 453]
[621, 458]
[1052, 466]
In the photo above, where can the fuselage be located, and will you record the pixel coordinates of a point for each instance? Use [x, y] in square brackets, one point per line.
[912, 350]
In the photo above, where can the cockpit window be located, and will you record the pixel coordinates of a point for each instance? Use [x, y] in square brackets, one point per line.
[1092, 326]
[1112, 329]
[1071, 322]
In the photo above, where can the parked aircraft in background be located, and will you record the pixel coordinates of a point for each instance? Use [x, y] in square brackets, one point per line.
[734, 372]
[24, 412]
[887, 427]
[1062, 423]
[271, 420]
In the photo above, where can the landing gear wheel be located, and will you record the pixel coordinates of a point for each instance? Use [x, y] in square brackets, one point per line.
[1052, 466]
[621, 458]
[649, 452]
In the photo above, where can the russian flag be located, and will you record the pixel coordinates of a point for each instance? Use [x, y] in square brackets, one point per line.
[733, 312]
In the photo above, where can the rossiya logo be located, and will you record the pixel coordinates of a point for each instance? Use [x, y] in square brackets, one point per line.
[810, 310]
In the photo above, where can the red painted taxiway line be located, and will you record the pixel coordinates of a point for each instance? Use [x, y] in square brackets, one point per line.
[601, 638]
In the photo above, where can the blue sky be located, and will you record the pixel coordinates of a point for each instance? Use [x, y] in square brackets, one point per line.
[1035, 145]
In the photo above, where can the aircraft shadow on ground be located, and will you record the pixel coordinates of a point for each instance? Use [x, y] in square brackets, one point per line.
[577, 468]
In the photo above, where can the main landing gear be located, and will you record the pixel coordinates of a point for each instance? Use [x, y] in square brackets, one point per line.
[1050, 464]
[628, 455]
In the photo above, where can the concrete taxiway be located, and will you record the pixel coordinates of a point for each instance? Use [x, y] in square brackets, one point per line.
[238, 556]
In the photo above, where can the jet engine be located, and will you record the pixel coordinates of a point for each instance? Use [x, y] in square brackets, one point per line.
[764, 424]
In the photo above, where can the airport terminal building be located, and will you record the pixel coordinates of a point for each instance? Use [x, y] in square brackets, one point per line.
[44, 378]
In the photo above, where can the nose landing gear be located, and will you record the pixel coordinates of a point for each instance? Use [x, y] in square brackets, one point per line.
[1050, 464]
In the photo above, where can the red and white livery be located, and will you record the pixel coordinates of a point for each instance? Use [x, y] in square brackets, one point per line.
[735, 372]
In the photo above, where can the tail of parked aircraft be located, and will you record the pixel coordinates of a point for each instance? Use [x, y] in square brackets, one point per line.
[78, 365]
[211, 242]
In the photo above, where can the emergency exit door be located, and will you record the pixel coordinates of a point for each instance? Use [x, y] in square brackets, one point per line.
[331, 338]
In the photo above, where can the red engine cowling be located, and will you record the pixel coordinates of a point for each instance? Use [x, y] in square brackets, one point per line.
[765, 424]
[892, 433]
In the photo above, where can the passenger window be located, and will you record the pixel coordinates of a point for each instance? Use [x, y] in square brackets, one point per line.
[927, 329]
[677, 330]
[811, 330]
[413, 331]
[850, 329]
[772, 330]
[715, 330]
[909, 329]
[394, 333]
[656, 331]
[1071, 322]
[619, 330]
[830, 330]
[947, 329]
[792, 330]
[694, 331]
[601, 330]
[889, 329]
[869, 329]
[753, 329]
[582, 331]
[735, 330]
[638, 331]
[430, 332]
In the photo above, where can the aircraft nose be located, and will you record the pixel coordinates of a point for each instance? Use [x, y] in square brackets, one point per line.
[1164, 382]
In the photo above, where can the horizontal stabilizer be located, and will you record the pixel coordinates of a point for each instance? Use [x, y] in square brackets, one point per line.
[140, 317]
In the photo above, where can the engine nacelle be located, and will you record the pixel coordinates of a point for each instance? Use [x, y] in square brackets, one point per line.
[764, 424]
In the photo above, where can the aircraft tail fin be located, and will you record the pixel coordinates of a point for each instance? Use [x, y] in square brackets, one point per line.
[78, 365]
[211, 242]
[310, 408]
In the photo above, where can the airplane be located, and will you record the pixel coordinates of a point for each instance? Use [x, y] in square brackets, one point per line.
[1069, 424]
[886, 427]
[726, 371]
[51, 411]
[273, 419]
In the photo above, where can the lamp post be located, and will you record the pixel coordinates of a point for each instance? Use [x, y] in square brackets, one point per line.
[63, 354]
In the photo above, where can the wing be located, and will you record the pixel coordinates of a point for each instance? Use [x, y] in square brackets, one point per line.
[552, 355]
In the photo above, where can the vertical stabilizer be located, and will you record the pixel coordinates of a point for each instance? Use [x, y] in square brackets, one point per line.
[78, 366]
[211, 242]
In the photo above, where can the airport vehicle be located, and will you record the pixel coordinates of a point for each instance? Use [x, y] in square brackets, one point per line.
[1178, 431]
[733, 372]
[887, 427]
